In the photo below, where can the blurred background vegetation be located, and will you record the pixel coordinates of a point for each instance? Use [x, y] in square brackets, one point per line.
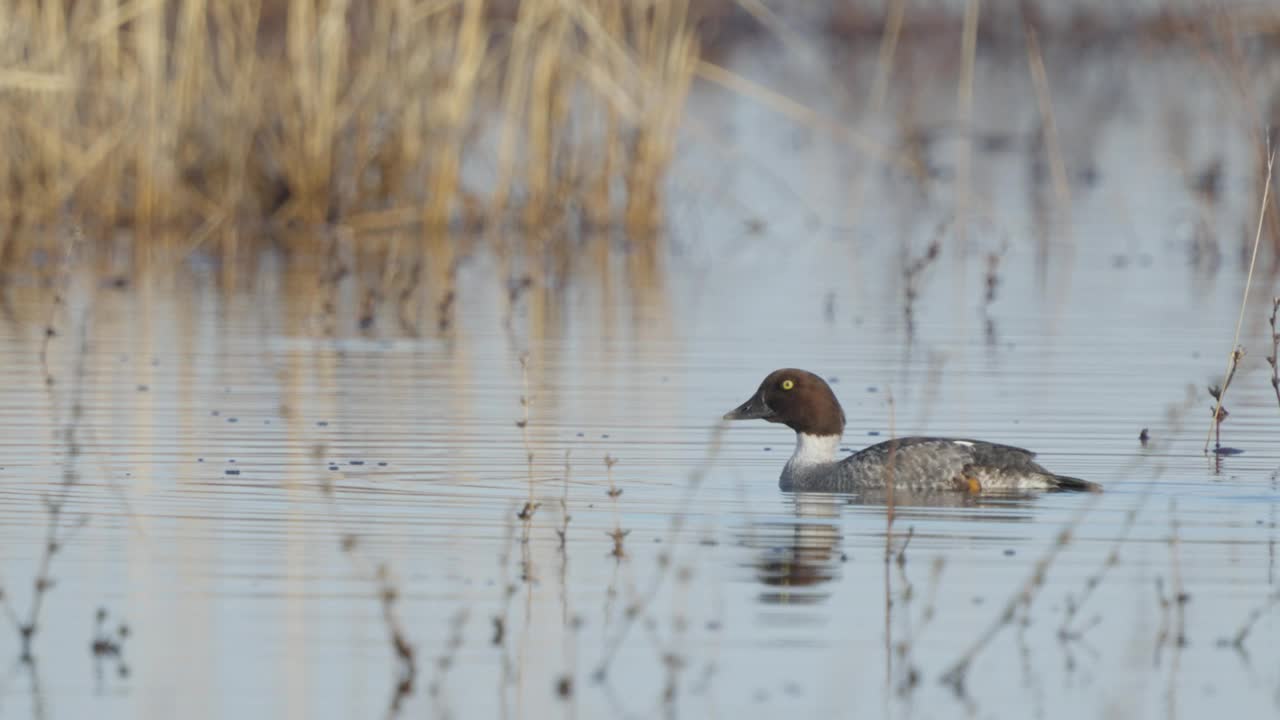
[156, 128]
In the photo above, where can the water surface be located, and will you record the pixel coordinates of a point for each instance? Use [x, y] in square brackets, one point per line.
[243, 474]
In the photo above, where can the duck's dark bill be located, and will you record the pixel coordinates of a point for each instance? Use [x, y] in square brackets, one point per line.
[750, 410]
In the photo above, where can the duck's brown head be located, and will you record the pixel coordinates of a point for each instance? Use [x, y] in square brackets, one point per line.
[796, 398]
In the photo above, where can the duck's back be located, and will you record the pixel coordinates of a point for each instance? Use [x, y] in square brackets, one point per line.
[932, 463]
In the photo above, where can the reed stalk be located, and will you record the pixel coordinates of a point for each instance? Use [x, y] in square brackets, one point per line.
[196, 125]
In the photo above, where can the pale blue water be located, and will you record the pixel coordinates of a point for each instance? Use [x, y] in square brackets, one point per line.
[241, 601]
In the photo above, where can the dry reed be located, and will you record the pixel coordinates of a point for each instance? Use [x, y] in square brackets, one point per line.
[1237, 352]
[60, 529]
[222, 120]
[1275, 348]
[665, 561]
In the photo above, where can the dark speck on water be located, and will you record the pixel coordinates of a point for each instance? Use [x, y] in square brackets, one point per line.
[382, 464]
[357, 462]
[233, 420]
[322, 423]
[231, 472]
[872, 388]
[143, 388]
[1009, 552]
[873, 433]
[215, 413]
[333, 467]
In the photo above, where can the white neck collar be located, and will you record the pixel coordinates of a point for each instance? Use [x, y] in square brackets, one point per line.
[813, 450]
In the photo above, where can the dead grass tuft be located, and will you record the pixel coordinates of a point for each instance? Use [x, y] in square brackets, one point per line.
[225, 119]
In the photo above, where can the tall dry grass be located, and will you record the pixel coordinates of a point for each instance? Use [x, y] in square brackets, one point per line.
[212, 120]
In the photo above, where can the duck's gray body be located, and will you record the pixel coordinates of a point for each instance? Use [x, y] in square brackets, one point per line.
[925, 464]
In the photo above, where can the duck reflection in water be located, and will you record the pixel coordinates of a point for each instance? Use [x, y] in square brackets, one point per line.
[804, 553]
[797, 557]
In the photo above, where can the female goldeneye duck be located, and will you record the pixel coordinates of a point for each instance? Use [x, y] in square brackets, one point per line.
[804, 402]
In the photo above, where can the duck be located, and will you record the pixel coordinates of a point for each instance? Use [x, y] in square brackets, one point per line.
[805, 403]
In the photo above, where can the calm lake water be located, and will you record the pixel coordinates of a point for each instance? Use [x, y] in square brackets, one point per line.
[243, 474]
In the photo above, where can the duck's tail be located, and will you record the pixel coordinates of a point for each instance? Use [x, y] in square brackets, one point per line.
[1071, 484]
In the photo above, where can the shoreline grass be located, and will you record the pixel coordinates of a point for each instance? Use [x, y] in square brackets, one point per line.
[228, 119]
[221, 123]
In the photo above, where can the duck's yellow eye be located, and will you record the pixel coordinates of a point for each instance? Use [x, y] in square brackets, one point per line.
[788, 384]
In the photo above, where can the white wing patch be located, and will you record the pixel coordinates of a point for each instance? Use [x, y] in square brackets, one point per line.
[965, 443]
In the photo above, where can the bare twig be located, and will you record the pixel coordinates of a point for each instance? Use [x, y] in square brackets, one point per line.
[1275, 348]
[58, 531]
[1178, 603]
[388, 595]
[501, 620]
[910, 673]
[1180, 596]
[888, 548]
[108, 645]
[568, 625]
[1242, 634]
[445, 662]
[1040, 79]
[911, 273]
[614, 491]
[665, 561]
[563, 530]
[991, 281]
[964, 93]
[1068, 631]
[957, 673]
[617, 534]
[1233, 358]
[1217, 392]
[530, 506]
